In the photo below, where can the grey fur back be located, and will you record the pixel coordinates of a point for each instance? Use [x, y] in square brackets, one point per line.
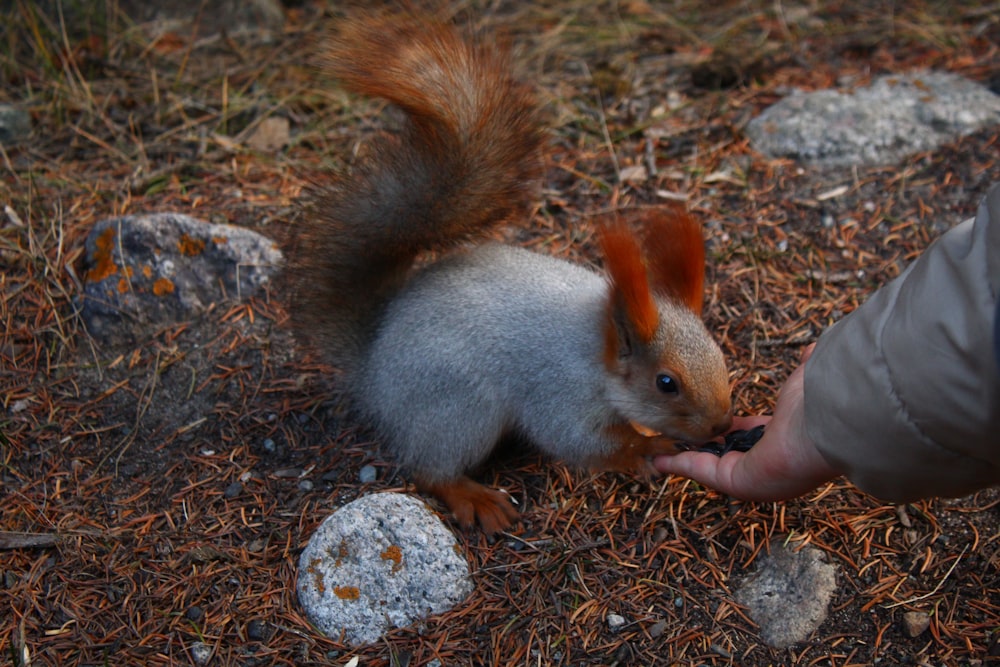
[482, 343]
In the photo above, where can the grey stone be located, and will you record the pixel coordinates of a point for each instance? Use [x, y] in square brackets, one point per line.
[381, 562]
[894, 117]
[916, 622]
[201, 653]
[15, 125]
[141, 273]
[257, 630]
[270, 135]
[789, 594]
[367, 474]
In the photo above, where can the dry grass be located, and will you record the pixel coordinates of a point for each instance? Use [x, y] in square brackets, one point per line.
[154, 498]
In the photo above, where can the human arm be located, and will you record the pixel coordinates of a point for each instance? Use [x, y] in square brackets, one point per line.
[902, 396]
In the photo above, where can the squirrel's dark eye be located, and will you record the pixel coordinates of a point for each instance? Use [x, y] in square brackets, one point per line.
[666, 384]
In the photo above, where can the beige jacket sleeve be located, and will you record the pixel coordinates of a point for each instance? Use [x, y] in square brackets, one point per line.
[903, 394]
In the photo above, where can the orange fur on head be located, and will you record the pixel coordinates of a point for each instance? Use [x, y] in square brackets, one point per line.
[675, 254]
[629, 279]
[667, 258]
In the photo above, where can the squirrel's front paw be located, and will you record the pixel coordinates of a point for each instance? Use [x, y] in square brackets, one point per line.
[470, 501]
[636, 446]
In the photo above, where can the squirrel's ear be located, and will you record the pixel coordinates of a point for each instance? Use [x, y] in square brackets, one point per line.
[675, 254]
[632, 303]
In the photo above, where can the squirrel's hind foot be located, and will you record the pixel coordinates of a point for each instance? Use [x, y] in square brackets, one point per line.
[470, 501]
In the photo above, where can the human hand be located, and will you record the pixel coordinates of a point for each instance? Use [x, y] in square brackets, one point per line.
[783, 464]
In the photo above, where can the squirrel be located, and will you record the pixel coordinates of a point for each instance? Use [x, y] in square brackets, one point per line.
[447, 356]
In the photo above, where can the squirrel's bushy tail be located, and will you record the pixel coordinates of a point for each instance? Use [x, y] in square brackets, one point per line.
[465, 161]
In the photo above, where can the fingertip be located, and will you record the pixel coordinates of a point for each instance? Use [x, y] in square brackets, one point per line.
[750, 421]
[663, 464]
[683, 464]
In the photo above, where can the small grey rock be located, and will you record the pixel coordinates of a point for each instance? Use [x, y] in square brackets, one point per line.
[232, 491]
[916, 622]
[201, 653]
[271, 135]
[15, 125]
[789, 594]
[894, 117]
[141, 272]
[257, 630]
[380, 562]
[615, 621]
[368, 474]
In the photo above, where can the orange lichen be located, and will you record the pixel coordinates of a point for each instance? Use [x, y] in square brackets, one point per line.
[342, 553]
[219, 240]
[317, 575]
[104, 263]
[347, 592]
[123, 283]
[147, 271]
[163, 286]
[395, 554]
[189, 246]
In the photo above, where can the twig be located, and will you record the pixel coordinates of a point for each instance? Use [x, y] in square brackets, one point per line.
[936, 588]
[16, 540]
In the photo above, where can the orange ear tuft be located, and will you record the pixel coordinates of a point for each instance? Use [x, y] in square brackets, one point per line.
[675, 253]
[629, 281]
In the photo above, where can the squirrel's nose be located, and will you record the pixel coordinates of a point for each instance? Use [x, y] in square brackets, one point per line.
[724, 424]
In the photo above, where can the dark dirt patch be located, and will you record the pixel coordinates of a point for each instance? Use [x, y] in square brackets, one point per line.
[182, 478]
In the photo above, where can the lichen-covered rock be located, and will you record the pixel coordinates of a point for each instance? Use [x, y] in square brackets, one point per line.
[896, 116]
[143, 272]
[789, 595]
[381, 562]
